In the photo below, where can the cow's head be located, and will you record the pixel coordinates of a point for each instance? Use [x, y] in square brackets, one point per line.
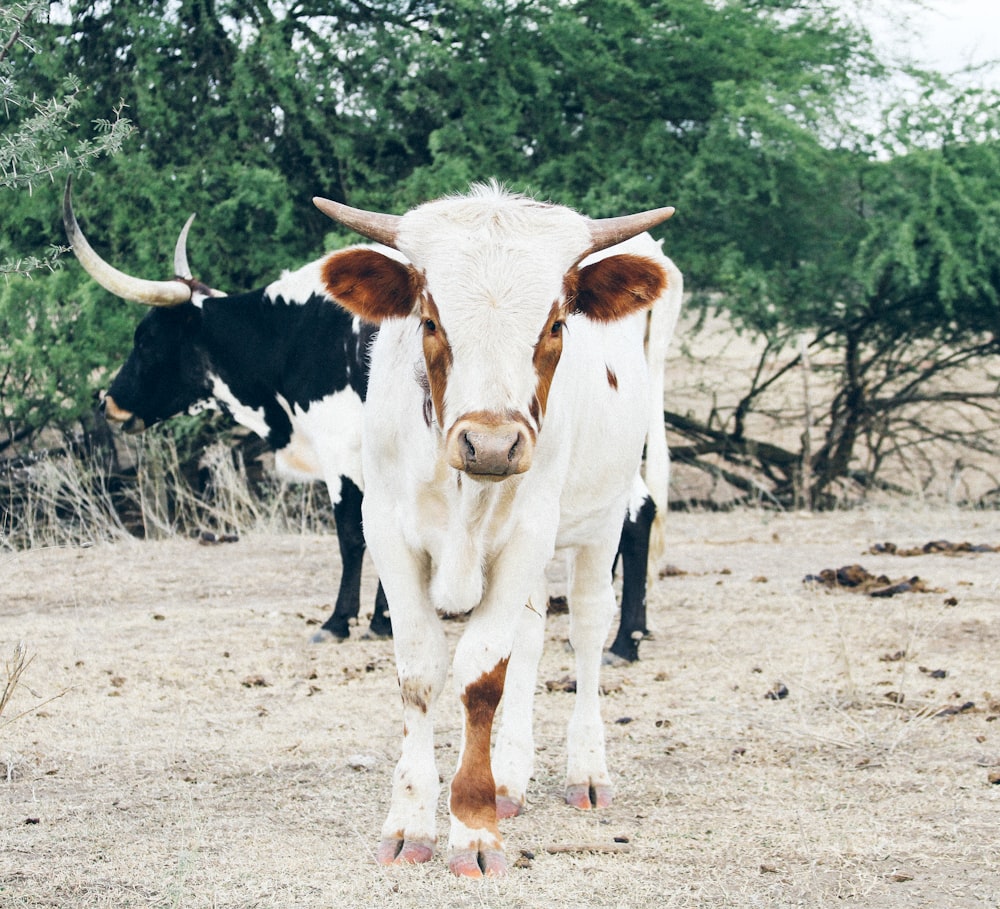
[492, 280]
[165, 373]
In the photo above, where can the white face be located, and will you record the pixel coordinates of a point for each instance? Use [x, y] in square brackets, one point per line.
[495, 272]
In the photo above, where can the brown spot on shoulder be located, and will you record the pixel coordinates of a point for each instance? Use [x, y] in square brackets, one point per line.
[612, 378]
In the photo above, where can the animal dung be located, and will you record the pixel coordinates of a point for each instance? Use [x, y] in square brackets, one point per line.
[931, 548]
[256, 681]
[208, 538]
[778, 693]
[857, 578]
[954, 711]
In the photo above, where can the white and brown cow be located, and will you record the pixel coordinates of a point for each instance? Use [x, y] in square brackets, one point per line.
[508, 403]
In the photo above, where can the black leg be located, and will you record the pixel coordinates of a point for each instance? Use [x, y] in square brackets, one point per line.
[347, 514]
[380, 626]
[634, 552]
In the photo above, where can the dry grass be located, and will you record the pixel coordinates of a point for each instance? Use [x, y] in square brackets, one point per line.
[205, 755]
[71, 500]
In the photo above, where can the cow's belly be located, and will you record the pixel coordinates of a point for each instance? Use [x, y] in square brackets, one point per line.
[298, 461]
[325, 442]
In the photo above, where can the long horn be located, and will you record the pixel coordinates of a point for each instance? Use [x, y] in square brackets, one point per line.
[181, 267]
[373, 225]
[139, 290]
[607, 232]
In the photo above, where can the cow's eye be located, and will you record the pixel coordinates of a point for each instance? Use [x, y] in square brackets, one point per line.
[557, 327]
[430, 326]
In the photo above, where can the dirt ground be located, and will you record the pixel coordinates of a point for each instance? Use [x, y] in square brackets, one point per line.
[186, 746]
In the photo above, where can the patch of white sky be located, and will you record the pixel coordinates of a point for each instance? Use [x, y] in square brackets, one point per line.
[958, 38]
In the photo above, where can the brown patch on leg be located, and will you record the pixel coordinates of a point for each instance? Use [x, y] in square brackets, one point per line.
[473, 793]
[415, 694]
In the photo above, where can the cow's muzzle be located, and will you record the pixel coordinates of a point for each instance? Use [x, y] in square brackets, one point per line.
[128, 421]
[490, 448]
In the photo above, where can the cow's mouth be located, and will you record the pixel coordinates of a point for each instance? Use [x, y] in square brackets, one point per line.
[127, 420]
[134, 425]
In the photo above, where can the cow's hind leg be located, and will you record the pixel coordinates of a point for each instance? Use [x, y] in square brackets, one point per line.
[592, 607]
[380, 626]
[351, 540]
[634, 552]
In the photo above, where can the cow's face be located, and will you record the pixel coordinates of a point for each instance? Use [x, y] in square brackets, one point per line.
[164, 374]
[492, 281]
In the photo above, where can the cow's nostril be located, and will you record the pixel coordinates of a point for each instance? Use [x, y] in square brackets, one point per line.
[515, 449]
[468, 449]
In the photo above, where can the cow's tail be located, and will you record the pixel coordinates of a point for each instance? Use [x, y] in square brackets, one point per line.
[659, 333]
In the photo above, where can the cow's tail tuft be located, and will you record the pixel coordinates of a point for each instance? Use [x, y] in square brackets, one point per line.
[659, 333]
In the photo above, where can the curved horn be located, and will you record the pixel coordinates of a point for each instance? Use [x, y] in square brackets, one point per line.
[373, 225]
[181, 267]
[606, 232]
[139, 290]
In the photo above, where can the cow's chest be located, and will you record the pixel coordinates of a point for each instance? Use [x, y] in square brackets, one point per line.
[464, 528]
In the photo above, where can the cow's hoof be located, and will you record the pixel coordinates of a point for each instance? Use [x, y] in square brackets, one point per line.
[370, 634]
[392, 851]
[326, 636]
[610, 658]
[585, 797]
[482, 863]
[508, 807]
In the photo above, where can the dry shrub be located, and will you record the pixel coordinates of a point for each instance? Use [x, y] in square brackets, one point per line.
[150, 488]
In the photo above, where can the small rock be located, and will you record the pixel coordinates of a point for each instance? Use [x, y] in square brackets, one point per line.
[564, 684]
[952, 711]
[362, 762]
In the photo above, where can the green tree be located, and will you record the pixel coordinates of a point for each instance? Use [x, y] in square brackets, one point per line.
[887, 264]
[41, 375]
[739, 113]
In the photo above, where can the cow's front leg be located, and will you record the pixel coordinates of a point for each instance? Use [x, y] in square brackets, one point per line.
[480, 669]
[514, 753]
[408, 834]
[592, 607]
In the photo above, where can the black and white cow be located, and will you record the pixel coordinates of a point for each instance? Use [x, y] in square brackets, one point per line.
[287, 365]
[280, 360]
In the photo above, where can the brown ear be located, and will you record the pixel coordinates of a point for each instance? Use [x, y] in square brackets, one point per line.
[371, 285]
[613, 287]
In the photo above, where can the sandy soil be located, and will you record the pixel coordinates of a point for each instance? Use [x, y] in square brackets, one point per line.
[187, 747]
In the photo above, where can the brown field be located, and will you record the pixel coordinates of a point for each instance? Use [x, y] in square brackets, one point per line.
[183, 745]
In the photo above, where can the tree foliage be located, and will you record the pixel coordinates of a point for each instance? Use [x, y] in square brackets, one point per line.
[887, 264]
[875, 243]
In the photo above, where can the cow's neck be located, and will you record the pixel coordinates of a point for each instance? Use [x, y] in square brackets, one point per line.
[242, 341]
